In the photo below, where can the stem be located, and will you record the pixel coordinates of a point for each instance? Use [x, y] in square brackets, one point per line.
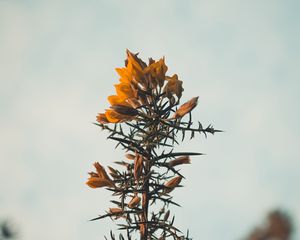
[145, 205]
[146, 194]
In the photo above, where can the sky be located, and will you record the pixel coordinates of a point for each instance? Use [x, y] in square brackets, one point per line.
[57, 61]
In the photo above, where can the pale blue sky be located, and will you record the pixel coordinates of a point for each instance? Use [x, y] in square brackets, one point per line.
[57, 61]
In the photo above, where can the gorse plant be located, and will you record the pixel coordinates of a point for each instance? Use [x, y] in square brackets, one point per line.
[145, 119]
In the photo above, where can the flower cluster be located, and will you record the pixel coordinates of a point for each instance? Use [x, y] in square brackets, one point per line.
[147, 104]
[138, 82]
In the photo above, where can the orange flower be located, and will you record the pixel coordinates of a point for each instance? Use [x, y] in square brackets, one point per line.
[186, 107]
[115, 117]
[174, 86]
[135, 65]
[137, 82]
[101, 118]
[128, 111]
[117, 100]
[133, 71]
[125, 75]
[94, 182]
[99, 179]
[124, 90]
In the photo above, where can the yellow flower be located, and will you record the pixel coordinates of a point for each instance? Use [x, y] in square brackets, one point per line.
[186, 107]
[133, 71]
[174, 86]
[117, 100]
[135, 65]
[124, 110]
[125, 75]
[115, 117]
[124, 90]
[138, 81]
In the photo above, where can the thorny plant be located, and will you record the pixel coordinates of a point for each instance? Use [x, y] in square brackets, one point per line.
[146, 121]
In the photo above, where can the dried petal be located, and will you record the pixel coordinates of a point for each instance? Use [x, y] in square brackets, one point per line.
[125, 164]
[114, 173]
[186, 107]
[171, 184]
[134, 202]
[174, 86]
[112, 170]
[101, 118]
[130, 156]
[101, 171]
[93, 174]
[95, 182]
[115, 210]
[138, 166]
[157, 71]
[180, 160]
[133, 102]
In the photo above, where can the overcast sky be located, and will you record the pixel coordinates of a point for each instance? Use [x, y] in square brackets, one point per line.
[57, 61]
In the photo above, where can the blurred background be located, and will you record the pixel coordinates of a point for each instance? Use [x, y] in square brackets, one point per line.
[57, 61]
